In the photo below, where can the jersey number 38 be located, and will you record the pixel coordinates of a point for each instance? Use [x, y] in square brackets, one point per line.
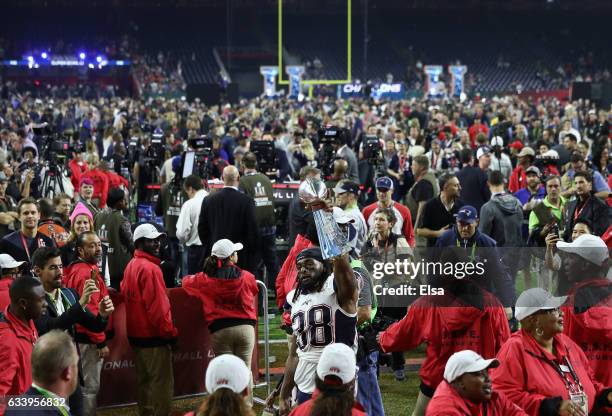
[314, 327]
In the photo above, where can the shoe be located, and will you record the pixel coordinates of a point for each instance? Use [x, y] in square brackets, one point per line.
[400, 375]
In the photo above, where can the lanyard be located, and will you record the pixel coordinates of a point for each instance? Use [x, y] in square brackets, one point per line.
[559, 371]
[577, 212]
[49, 395]
[25, 246]
[473, 255]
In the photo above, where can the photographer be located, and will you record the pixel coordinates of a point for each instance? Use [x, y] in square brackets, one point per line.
[30, 174]
[345, 152]
[279, 167]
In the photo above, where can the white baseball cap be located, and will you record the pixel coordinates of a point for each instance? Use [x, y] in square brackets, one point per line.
[227, 372]
[147, 231]
[8, 262]
[340, 216]
[482, 151]
[224, 248]
[466, 361]
[589, 247]
[497, 141]
[337, 360]
[536, 299]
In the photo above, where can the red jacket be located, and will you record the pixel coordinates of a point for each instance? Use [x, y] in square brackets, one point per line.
[473, 132]
[447, 402]
[286, 278]
[305, 408]
[591, 329]
[447, 325]
[5, 300]
[224, 298]
[115, 180]
[76, 172]
[518, 179]
[78, 274]
[527, 376]
[147, 307]
[101, 185]
[16, 342]
[405, 220]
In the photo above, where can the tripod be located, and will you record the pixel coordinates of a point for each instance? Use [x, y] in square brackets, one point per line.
[53, 180]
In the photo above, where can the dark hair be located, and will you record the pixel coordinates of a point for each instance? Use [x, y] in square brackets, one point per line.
[334, 399]
[586, 175]
[466, 156]
[224, 402]
[26, 201]
[42, 255]
[193, 181]
[213, 263]
[496, 178]
[551, 177]
[57, 199]
[597, 152]
[445, 178]
[21, 288]
[249, 160]
[571, 136]
[388, 212]
[46, 207]
[585, 222]
[80, 239]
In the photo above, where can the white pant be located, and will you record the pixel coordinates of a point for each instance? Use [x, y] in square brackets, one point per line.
[92, 366]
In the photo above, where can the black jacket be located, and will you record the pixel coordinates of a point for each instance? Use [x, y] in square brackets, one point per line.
[50, 320]
[33, 411]
[595, 211]
[474, 189]
[228, 213]
[13, 244]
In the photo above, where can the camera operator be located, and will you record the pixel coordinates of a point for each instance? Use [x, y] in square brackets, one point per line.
[8, 208]
[343, 151]
[258, 186]
[143, 169]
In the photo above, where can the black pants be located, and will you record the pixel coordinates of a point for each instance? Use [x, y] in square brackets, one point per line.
[195, 259]
[267, 241]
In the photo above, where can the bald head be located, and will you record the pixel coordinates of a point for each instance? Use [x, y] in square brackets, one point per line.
[55, 363]
[230, 176]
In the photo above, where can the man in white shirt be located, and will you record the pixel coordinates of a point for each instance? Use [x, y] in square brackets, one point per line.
[187, 223]
[347, 193]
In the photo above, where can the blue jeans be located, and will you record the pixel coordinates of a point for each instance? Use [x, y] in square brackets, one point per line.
[302, 397]
[368, 392]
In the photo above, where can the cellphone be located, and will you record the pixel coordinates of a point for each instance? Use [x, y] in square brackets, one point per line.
[555, 229]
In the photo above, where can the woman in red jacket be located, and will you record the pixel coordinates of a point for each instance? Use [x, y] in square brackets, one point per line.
[335, 385]
[466, 389]
[542, 370]
[228, 298]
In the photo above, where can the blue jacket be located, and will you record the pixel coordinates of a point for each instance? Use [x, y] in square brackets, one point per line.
[496, 278]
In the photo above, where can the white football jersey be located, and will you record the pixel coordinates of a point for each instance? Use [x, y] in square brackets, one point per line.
[317, 321]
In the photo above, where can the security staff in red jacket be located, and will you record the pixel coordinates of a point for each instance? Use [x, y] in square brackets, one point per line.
[92, 345]
[465, 317]
[542, 370]
[150, 329]
[18, 334]
[588, 309]
[466, 389]
[228, 297]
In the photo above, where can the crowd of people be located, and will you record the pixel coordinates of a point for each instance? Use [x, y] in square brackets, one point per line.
[522, 186]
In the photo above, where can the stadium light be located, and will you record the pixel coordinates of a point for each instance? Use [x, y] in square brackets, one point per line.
[99, 59]
[82, 55]
[44, 55]
[30, 59]
[91, 66]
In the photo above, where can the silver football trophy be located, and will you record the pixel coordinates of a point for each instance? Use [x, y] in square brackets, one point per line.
[332, 240]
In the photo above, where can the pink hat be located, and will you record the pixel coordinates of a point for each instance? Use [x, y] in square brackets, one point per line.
[80, 209]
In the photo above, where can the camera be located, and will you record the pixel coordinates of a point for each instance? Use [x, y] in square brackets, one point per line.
[198, 160]
[372, 150]
[329, 139]
[266, 156]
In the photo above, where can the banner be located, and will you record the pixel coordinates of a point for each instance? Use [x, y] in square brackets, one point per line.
[433, 86]
[295, 73]
[118, 378]
[350, 90]
[457, 73]
[389, 91]
[269, 74]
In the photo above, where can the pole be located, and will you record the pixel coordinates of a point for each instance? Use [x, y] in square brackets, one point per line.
[228, 34]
